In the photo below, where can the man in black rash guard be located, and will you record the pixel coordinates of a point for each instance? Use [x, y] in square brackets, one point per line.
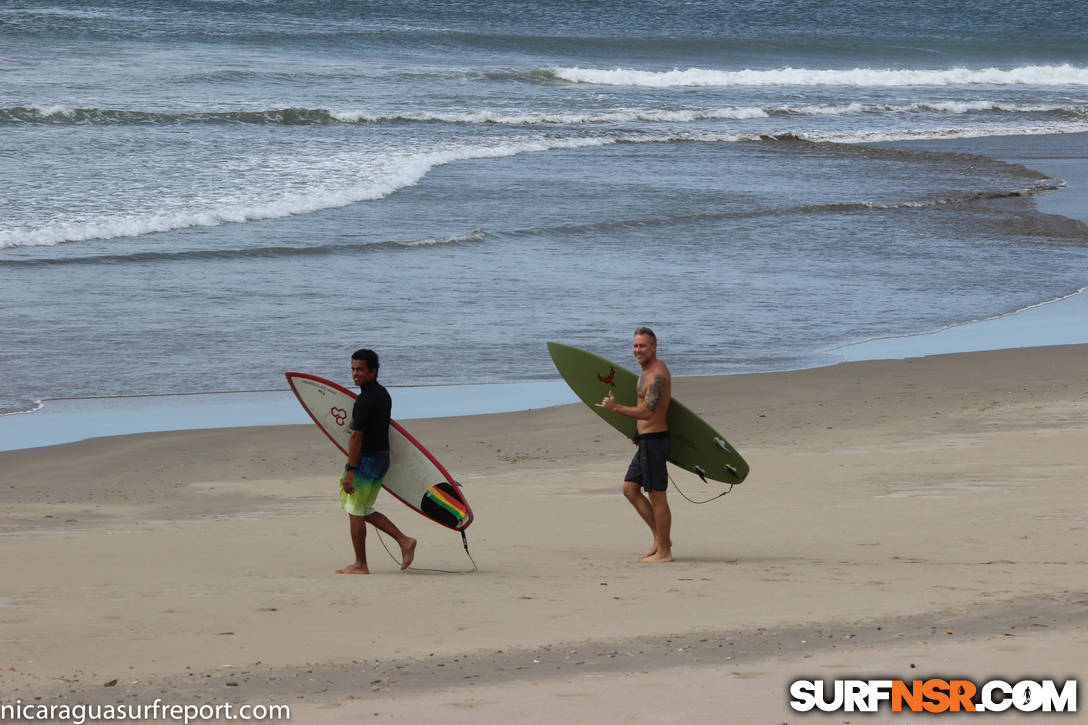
[368, 462]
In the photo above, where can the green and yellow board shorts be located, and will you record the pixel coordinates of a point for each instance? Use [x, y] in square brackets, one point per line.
[367, 483]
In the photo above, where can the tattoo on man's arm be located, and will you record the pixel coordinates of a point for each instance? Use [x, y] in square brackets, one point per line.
[655, 393]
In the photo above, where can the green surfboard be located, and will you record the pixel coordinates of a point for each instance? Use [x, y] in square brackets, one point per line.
[694, 445]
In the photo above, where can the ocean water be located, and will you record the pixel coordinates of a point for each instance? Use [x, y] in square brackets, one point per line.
[199, 195]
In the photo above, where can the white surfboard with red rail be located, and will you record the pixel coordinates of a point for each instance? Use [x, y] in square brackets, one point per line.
[415, 476]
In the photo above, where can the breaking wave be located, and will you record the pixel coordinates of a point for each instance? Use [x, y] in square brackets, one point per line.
[60, 115]
[1037, 75]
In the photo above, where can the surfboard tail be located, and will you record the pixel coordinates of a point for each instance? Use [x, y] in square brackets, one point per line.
[443, 504]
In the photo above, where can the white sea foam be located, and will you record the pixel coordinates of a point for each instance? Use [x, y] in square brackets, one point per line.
[1043, 75]
[392, 173]
[871, 136]
[728, 113]
[542, 118]
[475, 236]
[881, 136]
[55, 110]
[19, 407]
[570, 118]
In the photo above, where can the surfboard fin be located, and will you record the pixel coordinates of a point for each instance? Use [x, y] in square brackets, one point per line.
[700, 473]
[732, 470]
[721, 444]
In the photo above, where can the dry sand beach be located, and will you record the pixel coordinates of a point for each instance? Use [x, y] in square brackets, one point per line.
[914, 518]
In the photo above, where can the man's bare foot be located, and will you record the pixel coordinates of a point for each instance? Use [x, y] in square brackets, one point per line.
[654, 549]
[657, 557]
[353, 569]
[407, 553]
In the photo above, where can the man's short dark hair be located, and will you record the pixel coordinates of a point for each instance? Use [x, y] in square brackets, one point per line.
[369, 356]
[647, 331]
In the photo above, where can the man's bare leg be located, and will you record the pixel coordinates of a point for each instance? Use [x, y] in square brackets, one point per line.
[662, 529]
[645, 509]
[407, 544]
[357, 527]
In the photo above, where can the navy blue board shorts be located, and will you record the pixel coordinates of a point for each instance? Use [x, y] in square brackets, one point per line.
[648, 468]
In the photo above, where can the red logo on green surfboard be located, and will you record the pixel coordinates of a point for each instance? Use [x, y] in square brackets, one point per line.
[610, 379]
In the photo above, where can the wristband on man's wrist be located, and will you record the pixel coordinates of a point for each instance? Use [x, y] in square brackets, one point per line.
[349, 467]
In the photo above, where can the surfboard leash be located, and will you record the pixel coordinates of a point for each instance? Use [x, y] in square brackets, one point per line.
[712, 498]
[464, 541]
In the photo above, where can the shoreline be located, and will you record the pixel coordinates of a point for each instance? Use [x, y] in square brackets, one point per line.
[1059, 322]
[56, 421]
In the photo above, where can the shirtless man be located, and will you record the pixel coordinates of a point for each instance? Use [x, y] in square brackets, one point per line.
[647, 469]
